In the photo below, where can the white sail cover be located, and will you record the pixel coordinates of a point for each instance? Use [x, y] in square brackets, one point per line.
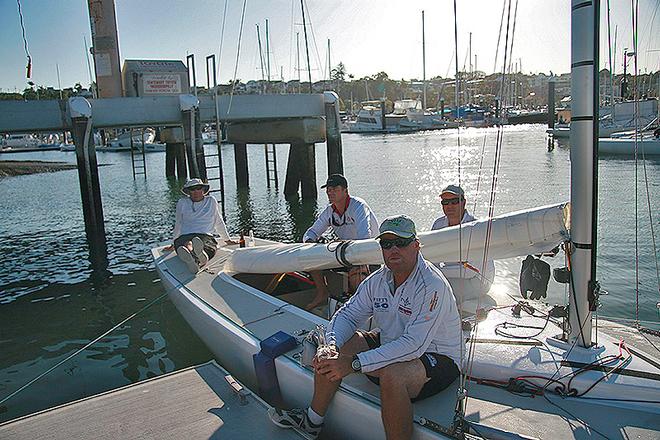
[525, 232]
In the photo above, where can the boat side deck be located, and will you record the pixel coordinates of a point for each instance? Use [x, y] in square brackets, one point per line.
[196, 402]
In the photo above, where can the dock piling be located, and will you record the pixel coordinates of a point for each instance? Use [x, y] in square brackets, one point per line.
[301, 171]
[551, 104]
[192, 130]
[80, 111]
[241, 163]
[333, 134]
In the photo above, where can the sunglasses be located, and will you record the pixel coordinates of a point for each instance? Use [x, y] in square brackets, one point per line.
[398, 242]
[195, 188]
[454, 201]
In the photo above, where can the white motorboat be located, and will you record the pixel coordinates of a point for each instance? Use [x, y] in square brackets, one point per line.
[646, 146]
[17, 140]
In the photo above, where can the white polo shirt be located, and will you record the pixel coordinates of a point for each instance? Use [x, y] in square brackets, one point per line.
[358, 222]
[419, 316]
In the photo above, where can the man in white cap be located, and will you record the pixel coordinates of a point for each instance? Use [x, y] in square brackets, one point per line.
[416, 353]
[468, 280]
[350, 218]
[197, 220]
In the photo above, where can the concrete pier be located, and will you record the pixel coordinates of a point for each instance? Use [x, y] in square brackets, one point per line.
[333, 134]
[241, 164]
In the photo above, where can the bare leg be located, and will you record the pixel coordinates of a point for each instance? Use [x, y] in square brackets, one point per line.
[398, 384]
[324, 390]
[321, 289]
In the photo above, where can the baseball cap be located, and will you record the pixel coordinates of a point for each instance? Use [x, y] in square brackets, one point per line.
[336, 180]
[399, 225]
[453, 189]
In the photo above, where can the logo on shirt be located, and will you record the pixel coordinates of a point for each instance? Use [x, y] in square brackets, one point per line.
[380, 304]
[434, 301]
[404, 307]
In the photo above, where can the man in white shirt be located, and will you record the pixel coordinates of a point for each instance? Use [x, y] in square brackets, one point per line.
[350, 218]
[416, 353]
[197, 219]
[467, 279]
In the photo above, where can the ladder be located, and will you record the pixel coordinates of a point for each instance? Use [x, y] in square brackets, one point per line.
[219, 177]
[216, 182]
[138, 160]
[271, 164]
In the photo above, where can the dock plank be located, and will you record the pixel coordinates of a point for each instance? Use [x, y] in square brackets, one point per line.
[196, 402]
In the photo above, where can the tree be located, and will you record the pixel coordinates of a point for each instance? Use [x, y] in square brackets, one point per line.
[339, 72]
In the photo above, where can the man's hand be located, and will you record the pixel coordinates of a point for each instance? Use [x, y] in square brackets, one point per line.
[335, 369]
[169, 248]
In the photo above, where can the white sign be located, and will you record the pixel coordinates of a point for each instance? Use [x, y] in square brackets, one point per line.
[159, 84]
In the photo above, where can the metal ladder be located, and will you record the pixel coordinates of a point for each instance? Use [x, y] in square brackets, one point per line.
[138, 161]
[219, 178]
[271, 164]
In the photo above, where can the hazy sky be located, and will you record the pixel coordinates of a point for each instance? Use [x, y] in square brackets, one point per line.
[368, 36]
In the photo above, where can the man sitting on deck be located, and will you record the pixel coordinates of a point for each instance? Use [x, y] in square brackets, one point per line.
[415, 355]
[467, 279]
[350, 218]
[197, 219]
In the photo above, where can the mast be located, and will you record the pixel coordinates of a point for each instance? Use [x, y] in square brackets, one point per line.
[267, 57]
[423, 63]
[329, 64]
[261, 61]
[456, 52]
[298, 58]
[584, 168]
[309, 67]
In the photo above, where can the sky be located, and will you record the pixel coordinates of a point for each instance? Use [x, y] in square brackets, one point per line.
[368, 36]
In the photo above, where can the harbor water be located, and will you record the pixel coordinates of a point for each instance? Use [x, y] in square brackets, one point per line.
[52, 304]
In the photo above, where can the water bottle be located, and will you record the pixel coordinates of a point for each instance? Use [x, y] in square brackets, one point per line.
[251, 242]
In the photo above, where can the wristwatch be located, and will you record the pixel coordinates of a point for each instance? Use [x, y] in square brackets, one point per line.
[355, 364]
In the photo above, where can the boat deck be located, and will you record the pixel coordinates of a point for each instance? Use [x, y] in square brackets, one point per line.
[551, 416]
[193, 403]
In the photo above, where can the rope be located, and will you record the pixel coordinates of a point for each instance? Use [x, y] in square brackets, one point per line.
[152, 302]
[222, 39]
[25, 43]
[238, 53]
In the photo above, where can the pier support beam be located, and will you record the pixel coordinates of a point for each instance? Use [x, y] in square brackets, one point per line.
[333, 134]
[175, 160]
[551, 104]
[81, 118]
[193, 136]
[301, 171]
[241, 163]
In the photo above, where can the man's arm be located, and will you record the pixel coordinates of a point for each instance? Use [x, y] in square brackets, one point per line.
[416, 337]
[219, 224]
[354, 312]
[321, 225]
[177, 222]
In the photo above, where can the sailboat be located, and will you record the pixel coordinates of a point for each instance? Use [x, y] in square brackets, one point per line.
[528, 372]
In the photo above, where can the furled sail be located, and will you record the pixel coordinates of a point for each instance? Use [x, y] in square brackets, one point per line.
[525, 232]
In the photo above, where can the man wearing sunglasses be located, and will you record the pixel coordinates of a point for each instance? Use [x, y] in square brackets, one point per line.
[349, 218]
[197, 219]
[468, 281]
[416, 353]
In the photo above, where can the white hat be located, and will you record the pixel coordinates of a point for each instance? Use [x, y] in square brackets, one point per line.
[191, 183]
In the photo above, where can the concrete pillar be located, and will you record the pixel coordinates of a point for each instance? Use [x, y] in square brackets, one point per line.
[175, 160]
[442, 108]
[241, 163]
[103, 22]
[551, 104]
[333, 134]
[301, 171]
[81, 118]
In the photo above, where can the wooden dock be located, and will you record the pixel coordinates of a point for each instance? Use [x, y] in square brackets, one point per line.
[194, 403]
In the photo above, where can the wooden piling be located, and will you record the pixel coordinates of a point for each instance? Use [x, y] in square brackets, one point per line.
[175, 160]
[241, 163]
[333, 134]
[192, 130]
[551, 104]
[90, 192]
[301, 171]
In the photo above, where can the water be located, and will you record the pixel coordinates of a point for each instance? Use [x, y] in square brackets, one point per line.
[51, 305]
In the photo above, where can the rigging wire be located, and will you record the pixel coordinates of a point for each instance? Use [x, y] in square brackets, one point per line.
[634, 32]
[25, 43]
[238, 53]
[222, 38]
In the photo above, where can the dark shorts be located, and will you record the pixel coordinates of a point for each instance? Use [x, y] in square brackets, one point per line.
[440, 369]
[210, 244]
